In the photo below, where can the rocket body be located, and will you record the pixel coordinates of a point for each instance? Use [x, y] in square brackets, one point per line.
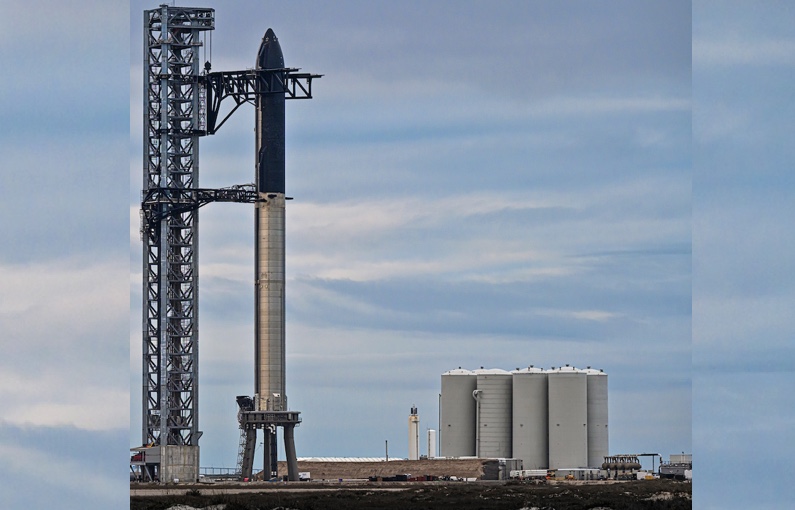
[269, 225]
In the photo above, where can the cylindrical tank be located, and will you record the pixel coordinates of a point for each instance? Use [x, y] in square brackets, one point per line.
[494, 397]
[568, 418]
[431, 443]
[458, 413]
[597, 417]
[530, 419]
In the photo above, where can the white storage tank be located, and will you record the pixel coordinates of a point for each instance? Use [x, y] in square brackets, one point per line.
[597, 417]
[494, 397]
[568, 418]
[457, 409]
[431, 443]
[530, 418]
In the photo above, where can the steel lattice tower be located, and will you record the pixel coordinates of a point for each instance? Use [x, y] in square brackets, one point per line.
[172, 108]
[180, 105]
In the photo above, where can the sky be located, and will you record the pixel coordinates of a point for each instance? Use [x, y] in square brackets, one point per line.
[64, 265]
[743, 272]
[492, 185]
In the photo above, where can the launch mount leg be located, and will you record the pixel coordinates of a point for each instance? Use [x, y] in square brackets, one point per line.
[269, 454]
[269, 421]
[266, 454]
[289, 449]
[274, 455]
[247, 466]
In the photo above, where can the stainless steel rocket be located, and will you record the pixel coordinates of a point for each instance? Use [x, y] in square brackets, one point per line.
[269, 408]
[269, 227]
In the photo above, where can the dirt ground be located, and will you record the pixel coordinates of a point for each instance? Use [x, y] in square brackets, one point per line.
[642, 494]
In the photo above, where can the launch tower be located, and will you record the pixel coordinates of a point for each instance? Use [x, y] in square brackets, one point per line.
[182, 103]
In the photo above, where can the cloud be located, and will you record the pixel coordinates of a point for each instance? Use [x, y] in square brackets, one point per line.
[755, 51]
[715, 122]
[576, 106]
[479, 235]
[59, 322]
[34, 298]
[62, 467]
[40, 401]
[587, 315]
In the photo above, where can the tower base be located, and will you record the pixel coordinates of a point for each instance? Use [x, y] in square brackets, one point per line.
[250, 421]
[179, 463]
[166, 464]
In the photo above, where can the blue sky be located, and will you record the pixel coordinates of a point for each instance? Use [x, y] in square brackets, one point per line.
[743, 290]
[497, 185]
[64, 265]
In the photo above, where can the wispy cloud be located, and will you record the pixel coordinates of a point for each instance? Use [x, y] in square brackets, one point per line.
[65, 316]
[745, 51]
[32, 302]
[90, 474]
[588, 315]
[606, 105]
[40, 400]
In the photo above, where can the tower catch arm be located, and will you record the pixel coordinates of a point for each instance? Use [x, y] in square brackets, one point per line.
[241, 86]
[160, 203]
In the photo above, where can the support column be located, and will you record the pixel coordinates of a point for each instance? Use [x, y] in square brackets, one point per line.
[266, 454]
[269, 453]
[274, 455]
[247, 466]
[289, 448]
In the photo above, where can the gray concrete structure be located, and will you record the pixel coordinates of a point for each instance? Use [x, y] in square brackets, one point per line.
[494, 396]
[457, 409]
[598, 441]
[568, 418]
[179, 463]
[530, 418]
[549, 419]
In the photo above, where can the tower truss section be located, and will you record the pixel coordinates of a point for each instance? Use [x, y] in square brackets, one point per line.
[173, 107]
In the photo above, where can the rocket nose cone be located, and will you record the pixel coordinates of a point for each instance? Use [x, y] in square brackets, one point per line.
[270, 52]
